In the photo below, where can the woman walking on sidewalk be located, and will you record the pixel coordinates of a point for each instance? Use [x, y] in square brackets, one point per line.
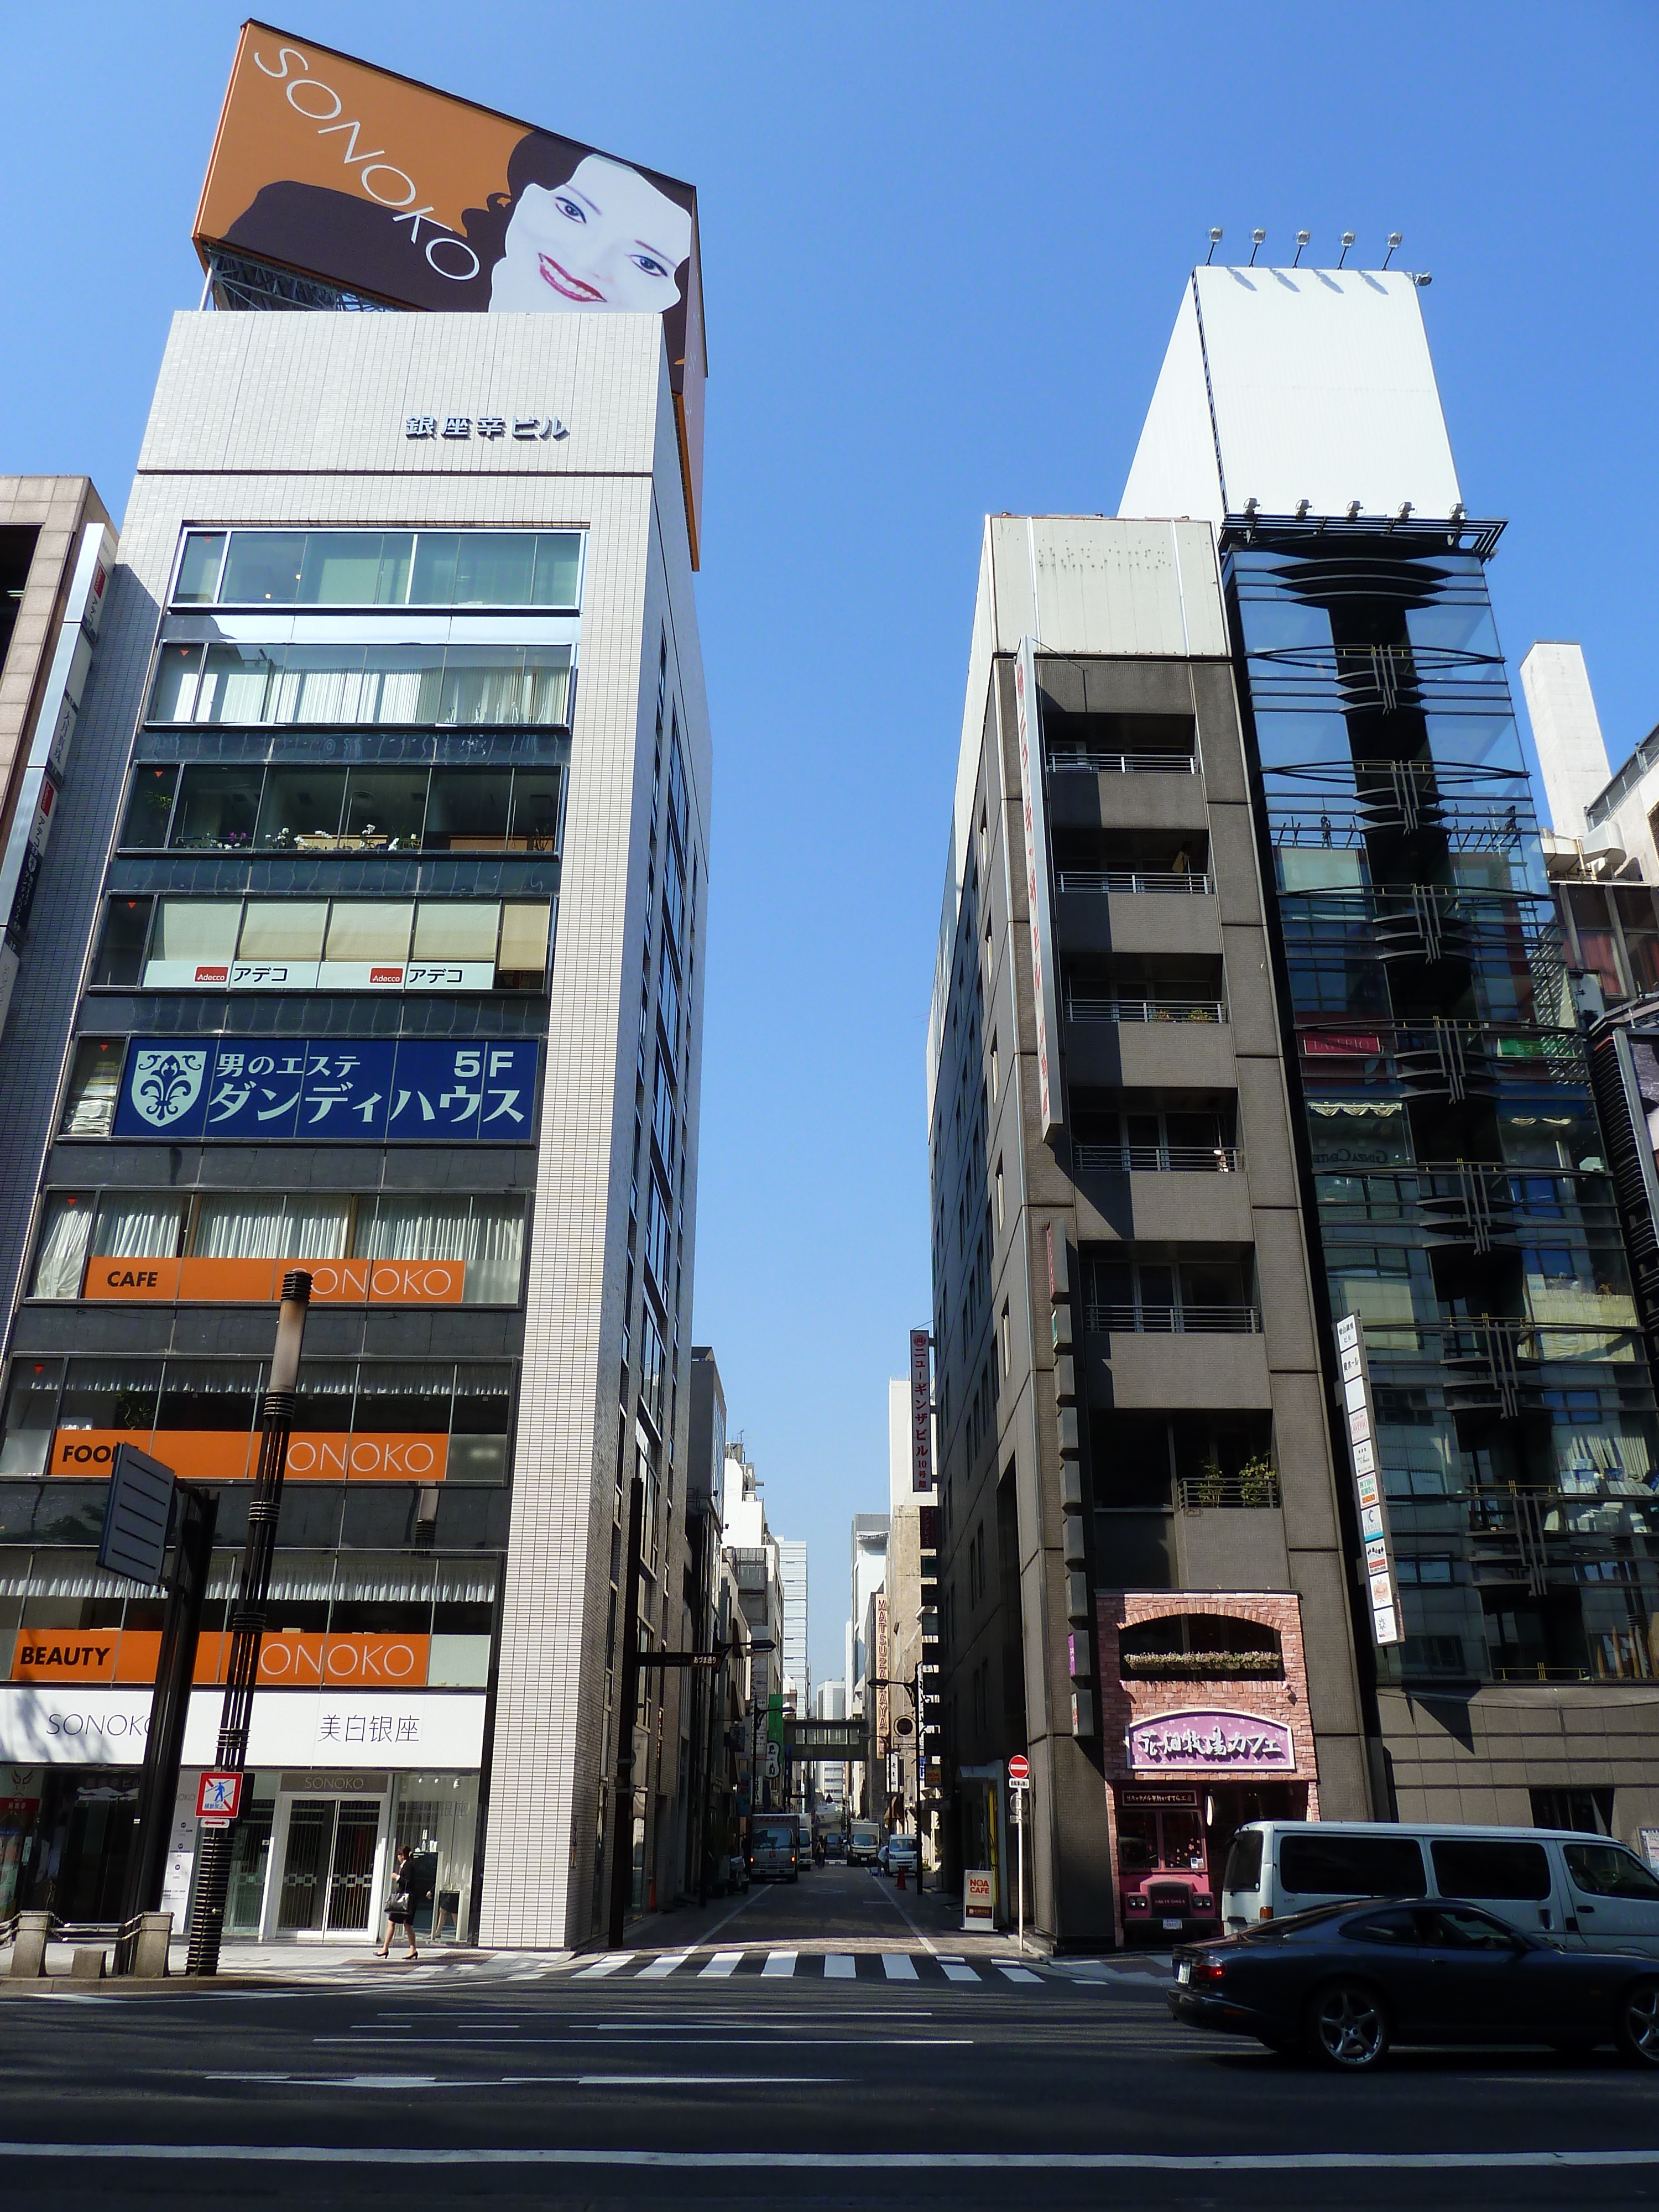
[400, 1905]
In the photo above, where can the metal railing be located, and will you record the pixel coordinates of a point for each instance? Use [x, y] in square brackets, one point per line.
[1190, 880]
[1158, 1160]
[1197, 1493]
[1083, 1004]
[1173, 1321]
[1124, 763]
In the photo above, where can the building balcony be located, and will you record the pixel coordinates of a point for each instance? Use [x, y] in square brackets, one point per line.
[1141, 1319]
[1158, 1160]
[1084, 1005]
[1191, 883]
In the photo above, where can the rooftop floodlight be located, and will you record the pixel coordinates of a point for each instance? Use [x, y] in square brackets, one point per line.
[1405, 514]
[1353, 510]
[1347, 241]
[1423, 277]
[1215, 241]
[1394, 247]
[1458, 512]
[1303, 507]
[1260, 238]
[1302, 238]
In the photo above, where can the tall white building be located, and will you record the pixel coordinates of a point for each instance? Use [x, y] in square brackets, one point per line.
[796, 1668]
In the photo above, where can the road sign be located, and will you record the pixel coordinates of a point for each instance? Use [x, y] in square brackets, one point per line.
[1019, 1772]
[136, 1513]
[219, 1798]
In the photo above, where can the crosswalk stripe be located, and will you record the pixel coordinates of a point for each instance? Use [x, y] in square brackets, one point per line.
[840, 1966]
[780, 1964]
[898, 1966]
[722, 1963]
[1021, 1974]
[958, 1970]
[608, 1965]
[664, 1965]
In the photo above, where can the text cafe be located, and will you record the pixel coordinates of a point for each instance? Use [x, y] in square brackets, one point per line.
[1204, 1724]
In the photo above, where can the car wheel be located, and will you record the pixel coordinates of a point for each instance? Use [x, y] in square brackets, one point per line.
[1347, 2028]
[1638, 2024]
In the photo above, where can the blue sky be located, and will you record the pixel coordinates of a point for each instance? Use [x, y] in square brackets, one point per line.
[943, 249]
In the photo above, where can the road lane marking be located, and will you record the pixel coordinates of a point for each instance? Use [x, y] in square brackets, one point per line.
[840, 1966]
[660, 1968]
[722, 1964]
[1020, 1974]
[958, 1970]
[779, 1965]
[608, 1965]
[899, 1966]
[213, 2155]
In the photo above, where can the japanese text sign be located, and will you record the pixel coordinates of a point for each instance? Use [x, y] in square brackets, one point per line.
[332, 1089]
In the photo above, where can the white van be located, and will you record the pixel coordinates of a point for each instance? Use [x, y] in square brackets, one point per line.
[1587, 1892]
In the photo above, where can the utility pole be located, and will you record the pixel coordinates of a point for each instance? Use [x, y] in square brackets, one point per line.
[247, 1614]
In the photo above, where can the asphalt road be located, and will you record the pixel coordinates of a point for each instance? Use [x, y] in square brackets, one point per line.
[755, 2070]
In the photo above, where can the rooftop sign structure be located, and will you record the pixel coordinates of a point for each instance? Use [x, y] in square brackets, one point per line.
[406, 196]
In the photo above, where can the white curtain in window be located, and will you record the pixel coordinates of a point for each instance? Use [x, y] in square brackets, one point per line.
[63, 1255]
[244, 1227]
[487, 1233]
[138, 1228]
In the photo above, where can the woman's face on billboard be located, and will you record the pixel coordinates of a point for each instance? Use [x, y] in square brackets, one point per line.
[608, 239]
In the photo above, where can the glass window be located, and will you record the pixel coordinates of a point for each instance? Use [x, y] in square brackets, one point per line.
[486, 1233]
[400, 1399]
[327, 1392]
[495, 568]
[1455, 1928]
[1244, 1861]
[230, 1226]
[381, 1596]
[523, 957]
[1392, 1927]
[61, 1256]
[469, 809]
[435, 553]
[1599, 1869]
[137, 1225]
[1137, 1839]
[354, 568]
[263, 567]
[198, 570]
[282, 929]
[1184, 1841]
[121, 958]
[457, 929]
[94, 1082]
[558, 567]
[536, 810]
[31, 1415]
[196, 930]
[149, 806]
[1477, 1867]
[217, 809]
[111, 1393]
[178, 680]
[320, 683]
[210, 1393]
[301, 812]
[478, 1442]
[238, 683]
[385, 809]
[370, 929]
[463, 1596]
[1351, 1865]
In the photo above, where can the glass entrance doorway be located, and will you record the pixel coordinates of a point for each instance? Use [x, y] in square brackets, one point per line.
[329, 1858]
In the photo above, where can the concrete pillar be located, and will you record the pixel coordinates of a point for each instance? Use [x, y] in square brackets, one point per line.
[150, 1956]
[28, 1951]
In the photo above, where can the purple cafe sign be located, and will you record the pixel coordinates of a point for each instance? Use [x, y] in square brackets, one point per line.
[1200, 1742]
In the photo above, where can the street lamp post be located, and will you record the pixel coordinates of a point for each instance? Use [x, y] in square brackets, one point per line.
[247, 1614]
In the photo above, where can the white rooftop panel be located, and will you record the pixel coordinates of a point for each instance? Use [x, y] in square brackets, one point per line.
[1316, 385]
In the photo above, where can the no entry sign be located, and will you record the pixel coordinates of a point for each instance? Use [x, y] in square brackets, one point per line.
[1019, 1772]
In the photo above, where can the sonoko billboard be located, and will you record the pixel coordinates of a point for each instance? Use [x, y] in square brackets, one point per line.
[334, 169]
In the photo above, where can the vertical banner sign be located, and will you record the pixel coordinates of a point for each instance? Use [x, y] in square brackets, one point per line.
[1033, 814]
[1361, 1416]
[921, 1414]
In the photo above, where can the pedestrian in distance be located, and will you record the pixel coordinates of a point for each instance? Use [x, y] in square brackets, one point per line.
[400, 1905]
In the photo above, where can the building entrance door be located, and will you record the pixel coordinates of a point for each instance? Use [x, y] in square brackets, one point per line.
[329, 1853]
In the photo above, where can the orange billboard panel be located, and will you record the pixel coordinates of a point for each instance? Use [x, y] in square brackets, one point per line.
[385, 186]
[232, 1455]
[259, 1282]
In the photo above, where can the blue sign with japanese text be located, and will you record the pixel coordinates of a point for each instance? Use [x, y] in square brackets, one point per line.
[332, 1092]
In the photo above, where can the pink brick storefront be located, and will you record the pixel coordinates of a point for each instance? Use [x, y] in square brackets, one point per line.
[1190, 1755]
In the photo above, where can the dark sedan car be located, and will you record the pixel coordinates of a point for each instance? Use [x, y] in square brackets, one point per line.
[1344, 1981]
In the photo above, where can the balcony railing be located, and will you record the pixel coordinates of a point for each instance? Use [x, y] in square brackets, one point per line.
[1173, 1321]
[1136, 880]
[1156, 1159]
[1083, 1004]
[1124, 763]
[1197, 1493]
